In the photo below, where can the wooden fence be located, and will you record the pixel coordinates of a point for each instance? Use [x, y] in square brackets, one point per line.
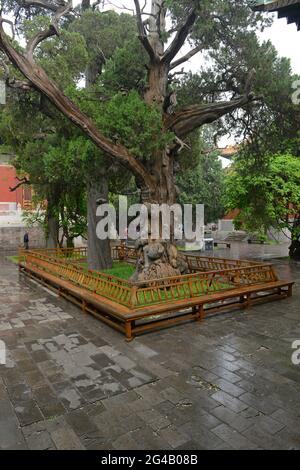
[151, 292]
[213, 285]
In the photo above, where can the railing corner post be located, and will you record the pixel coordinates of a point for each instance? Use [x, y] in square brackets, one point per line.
[133, 299]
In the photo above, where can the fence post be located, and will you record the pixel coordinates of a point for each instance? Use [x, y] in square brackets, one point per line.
[121, 251]
[134, 299]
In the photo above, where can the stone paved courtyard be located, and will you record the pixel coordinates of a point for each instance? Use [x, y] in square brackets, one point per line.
[71, 382]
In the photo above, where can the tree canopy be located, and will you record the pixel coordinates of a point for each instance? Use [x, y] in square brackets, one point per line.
[121, 79]
[268, 198]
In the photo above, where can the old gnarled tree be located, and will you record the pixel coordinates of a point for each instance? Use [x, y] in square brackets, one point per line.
[155, 178]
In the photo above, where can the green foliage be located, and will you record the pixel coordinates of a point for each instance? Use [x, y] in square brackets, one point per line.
[268, 197]
[64, 58]
[103, 32]
[37, 217]
[219, 22]
[201, 180]
[60, 159]
[126, 69]
[128, 120]
[232, 50]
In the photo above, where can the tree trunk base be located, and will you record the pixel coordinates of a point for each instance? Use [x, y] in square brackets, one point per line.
[157, 260]
[157, 270]
[99, 251]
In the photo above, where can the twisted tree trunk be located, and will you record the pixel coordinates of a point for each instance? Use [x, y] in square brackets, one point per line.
[52, 224]
[158, 258]
[156, 176]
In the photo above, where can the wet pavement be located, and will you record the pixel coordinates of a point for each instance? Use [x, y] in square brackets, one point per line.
[71, 382]
[244, 250]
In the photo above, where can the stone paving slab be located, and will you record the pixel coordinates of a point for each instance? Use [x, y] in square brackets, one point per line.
[71, 382]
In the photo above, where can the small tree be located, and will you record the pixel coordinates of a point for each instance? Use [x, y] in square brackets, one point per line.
[269, 197]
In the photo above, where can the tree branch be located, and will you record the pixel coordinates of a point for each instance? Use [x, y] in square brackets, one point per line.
[185, 58]
[22, 181]
[52, 30]
[42, 83]
[142, 32]
[192, 117]
[24, 85]
[180, 38]
[5, 20]
[39, 4]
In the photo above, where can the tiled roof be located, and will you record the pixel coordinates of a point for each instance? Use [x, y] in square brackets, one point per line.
[289, 9]
[273, 5]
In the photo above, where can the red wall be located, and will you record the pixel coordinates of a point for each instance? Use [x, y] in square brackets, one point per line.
[231, 215]
[7, 179]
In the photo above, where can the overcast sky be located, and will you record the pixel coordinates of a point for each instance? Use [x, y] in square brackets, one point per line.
[286, 39]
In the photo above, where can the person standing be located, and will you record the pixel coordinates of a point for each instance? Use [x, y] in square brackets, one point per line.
[26, 241]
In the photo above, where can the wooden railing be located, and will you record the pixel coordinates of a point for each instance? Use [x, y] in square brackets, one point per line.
[70, 254]
[204, 263]
[128, 254]
[198, 284]
[108, 286]
[152, 292]
[195, 263]
[124, 253]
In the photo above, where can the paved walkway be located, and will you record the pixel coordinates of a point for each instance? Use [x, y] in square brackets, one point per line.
[71, 382]
[244, 250]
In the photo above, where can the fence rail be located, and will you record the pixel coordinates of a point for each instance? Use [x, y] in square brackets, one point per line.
[128, 254]
[204, 263]
[214, 285]
[218, 279]
[69, 254]
[103, 284]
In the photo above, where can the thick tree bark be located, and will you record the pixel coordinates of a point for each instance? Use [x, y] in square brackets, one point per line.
[52, 222]
[99, 251]
[294, 249]
[70, 242]
[157, 258]
[156, 91]
[192, 117]
[42, 83]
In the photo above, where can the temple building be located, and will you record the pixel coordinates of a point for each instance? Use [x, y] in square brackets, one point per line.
[289, 9]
